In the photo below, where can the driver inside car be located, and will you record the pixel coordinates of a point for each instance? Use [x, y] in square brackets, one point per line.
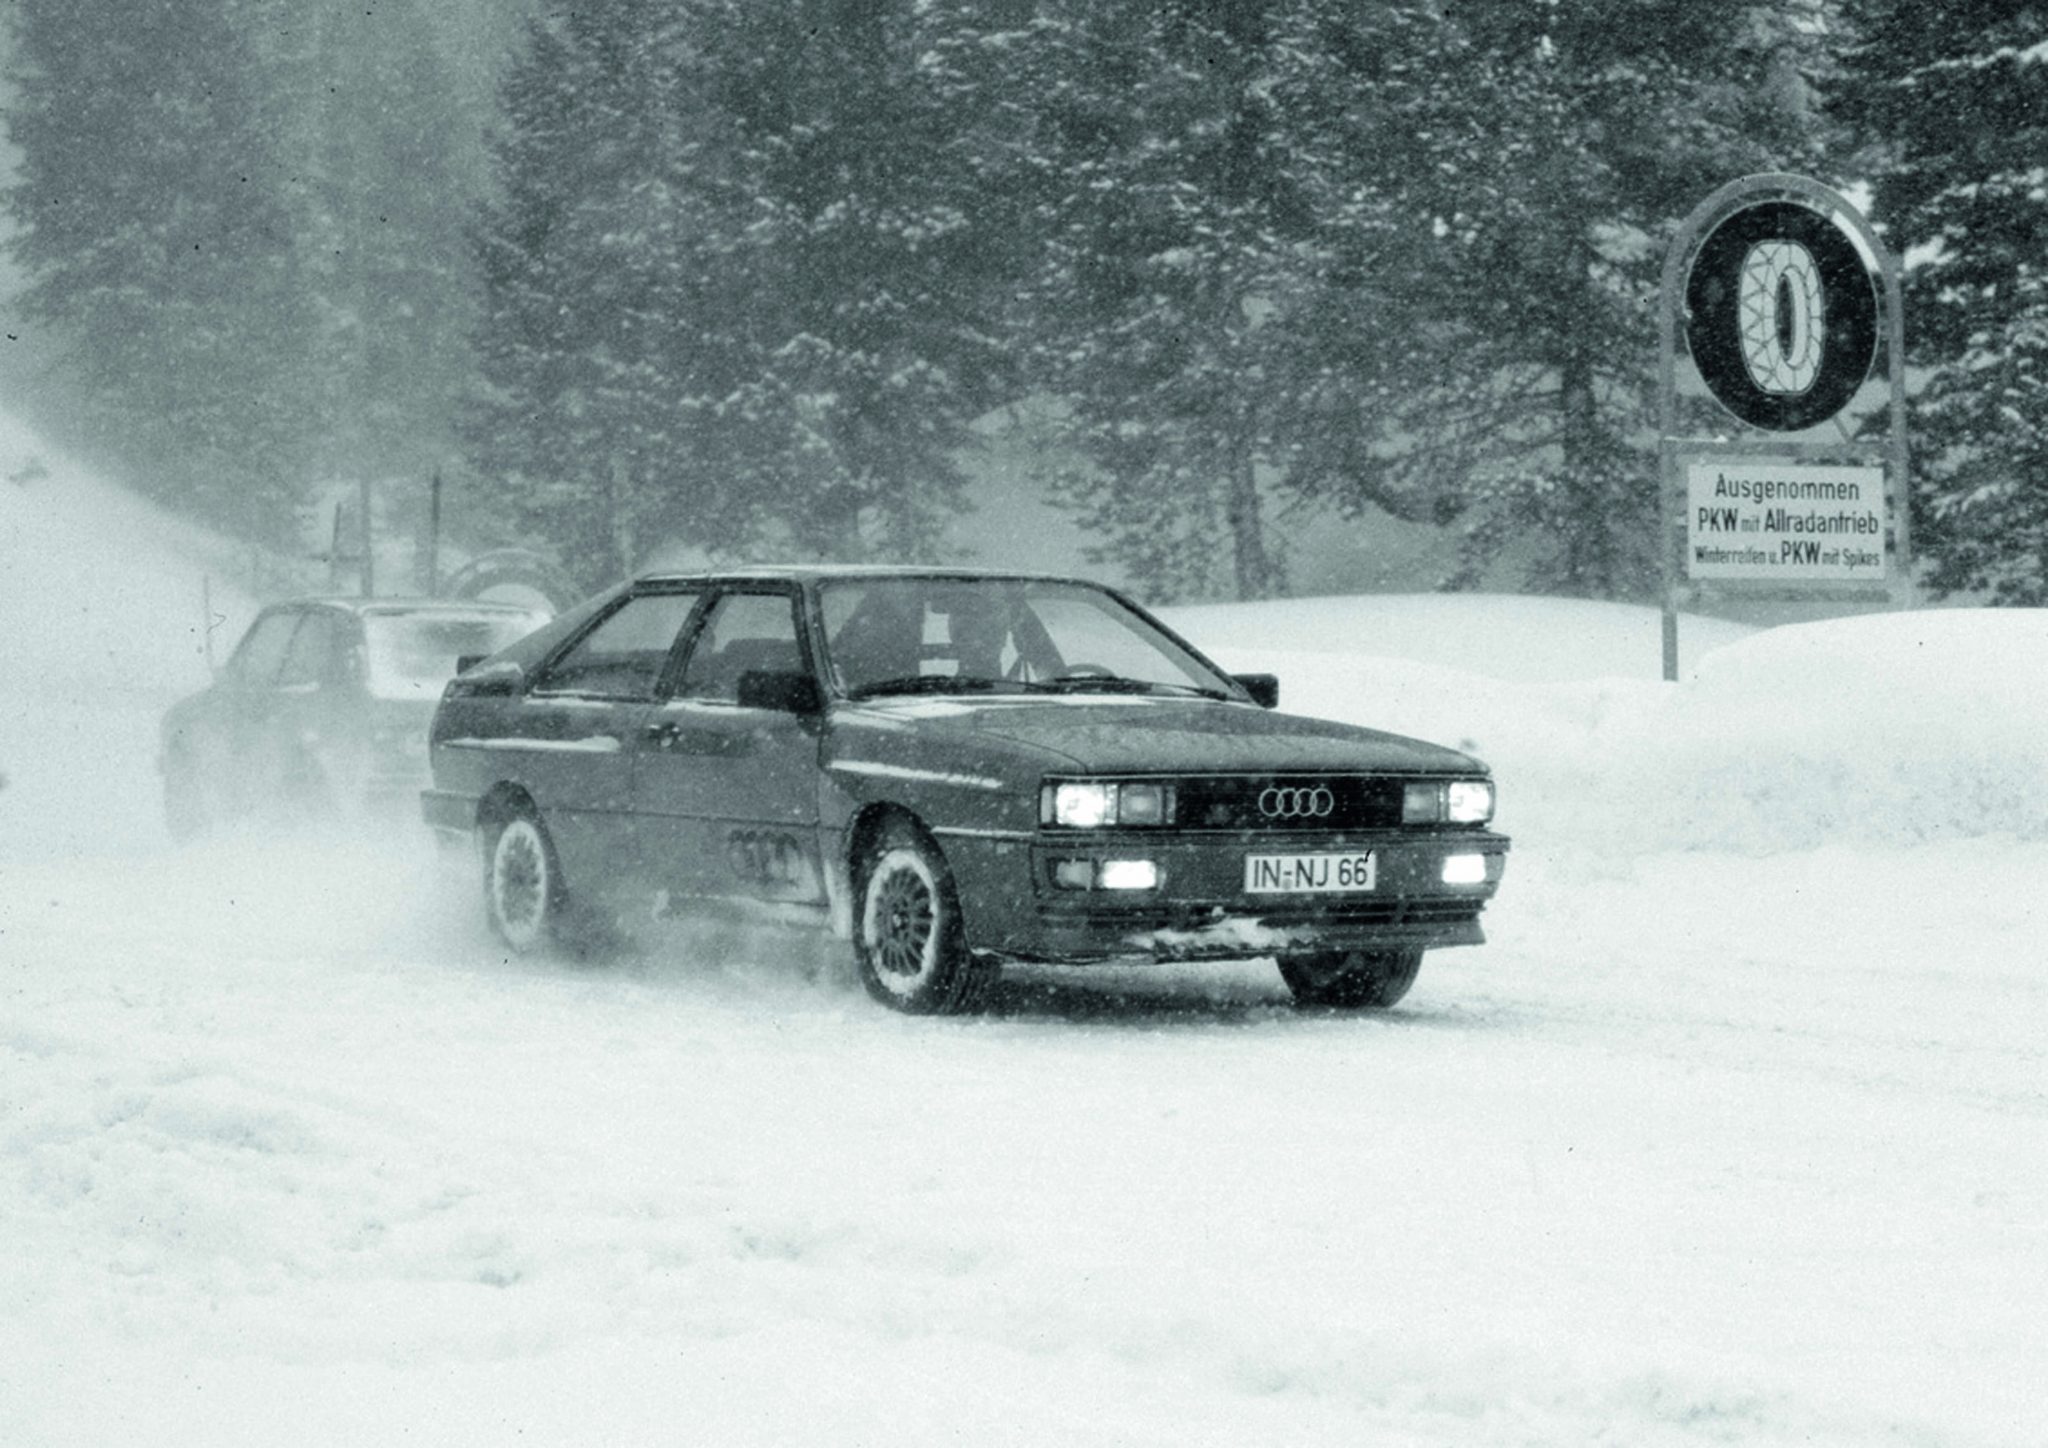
[879, 640]
[978, 631]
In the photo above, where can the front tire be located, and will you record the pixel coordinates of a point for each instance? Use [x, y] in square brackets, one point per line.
[524, 898]
[908, 937]
[1351, 979]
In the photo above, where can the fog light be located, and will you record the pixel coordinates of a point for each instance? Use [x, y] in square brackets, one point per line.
[1128, 875]
[1464, 869]
[1073, 874]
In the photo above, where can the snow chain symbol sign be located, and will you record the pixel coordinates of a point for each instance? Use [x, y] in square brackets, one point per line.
[1782, 315]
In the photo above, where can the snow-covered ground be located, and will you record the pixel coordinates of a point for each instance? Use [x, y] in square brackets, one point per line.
[1737, 1132]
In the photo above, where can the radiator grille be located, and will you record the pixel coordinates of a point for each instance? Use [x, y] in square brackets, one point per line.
[1289, 802]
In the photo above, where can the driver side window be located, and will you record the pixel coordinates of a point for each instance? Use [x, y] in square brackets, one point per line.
[311, 659]
[622, 657]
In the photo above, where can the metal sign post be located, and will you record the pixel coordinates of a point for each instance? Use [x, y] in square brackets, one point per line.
[1782, 319]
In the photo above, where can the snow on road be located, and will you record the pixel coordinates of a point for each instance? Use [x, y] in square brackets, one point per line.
[1746, 1144]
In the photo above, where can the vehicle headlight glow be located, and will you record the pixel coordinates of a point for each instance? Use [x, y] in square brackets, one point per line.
[1084, 806]
[1084, 873]
[1089, 804]
[1452, 801]
[1464, 870]
[1128, 875]
[1468, 801]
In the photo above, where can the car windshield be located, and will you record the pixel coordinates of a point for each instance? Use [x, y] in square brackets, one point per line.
[934, 635]
[412, 655]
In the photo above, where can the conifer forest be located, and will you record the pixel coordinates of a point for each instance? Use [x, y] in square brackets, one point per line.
[764, 280]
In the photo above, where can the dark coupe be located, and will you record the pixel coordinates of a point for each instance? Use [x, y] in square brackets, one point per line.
[953, 770]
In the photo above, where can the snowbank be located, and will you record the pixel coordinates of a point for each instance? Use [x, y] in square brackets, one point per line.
[101, 628]
[1504, 636]
[1884, 728]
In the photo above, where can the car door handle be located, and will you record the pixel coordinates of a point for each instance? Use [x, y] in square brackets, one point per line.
[672, 738]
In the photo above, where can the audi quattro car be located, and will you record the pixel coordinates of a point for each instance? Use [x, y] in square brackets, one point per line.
[952, 770]
[322, 708]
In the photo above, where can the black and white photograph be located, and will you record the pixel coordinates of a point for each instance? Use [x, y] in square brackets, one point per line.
[1104, 723]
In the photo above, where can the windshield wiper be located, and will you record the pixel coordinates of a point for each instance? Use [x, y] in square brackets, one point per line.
[927, 684]
[1117, 684]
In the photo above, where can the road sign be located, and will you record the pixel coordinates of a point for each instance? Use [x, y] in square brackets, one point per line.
[1782, 315]
[1784, 293]
[1784, 523]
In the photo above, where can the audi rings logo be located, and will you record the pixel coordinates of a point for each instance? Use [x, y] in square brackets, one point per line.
[1296, 804]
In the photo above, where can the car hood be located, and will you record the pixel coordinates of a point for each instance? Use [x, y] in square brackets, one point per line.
[1149, 735]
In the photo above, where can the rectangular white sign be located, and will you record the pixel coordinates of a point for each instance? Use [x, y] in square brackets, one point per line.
[1784, 522]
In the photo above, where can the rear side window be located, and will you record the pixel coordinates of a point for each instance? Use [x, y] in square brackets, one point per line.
[623, 656]
[261, 652]
[744, 633]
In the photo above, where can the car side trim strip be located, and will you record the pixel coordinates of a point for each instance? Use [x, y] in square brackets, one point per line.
[963, 833]
[595, 744]
[902, 771]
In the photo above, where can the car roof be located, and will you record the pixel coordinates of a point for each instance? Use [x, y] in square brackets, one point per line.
[829, 572]
[446, 607]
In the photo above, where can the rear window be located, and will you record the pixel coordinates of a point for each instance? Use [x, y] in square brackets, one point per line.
[410, 655]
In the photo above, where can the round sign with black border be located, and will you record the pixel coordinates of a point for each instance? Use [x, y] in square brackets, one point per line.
[1781, 315]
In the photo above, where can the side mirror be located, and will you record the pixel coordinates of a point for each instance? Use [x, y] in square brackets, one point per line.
[500, 680]
[784, 691]
[1264, 688]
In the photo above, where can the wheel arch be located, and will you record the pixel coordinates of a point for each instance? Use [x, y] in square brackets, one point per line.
[501, 802]
[862, 831]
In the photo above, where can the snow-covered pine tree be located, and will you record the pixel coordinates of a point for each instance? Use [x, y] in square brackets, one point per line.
[386, 168]
[742, 281]
[155, 233]
[1954, 100]
[1569, 141]
[880, 226]
[1185, 174]
[582, 330]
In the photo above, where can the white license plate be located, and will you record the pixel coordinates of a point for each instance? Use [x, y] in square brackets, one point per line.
[1323, 874]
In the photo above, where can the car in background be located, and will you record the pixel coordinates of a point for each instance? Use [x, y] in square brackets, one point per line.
[322, 710]
[953, 770]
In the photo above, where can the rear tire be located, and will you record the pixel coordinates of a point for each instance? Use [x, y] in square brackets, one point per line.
[524, 898]
[1351, 979]
[908, 937]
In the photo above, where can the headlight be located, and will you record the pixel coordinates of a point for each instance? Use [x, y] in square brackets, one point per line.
[1468, 801]
[1084, 806]
[1090, 804]
[1453, 801]
[1143, 804]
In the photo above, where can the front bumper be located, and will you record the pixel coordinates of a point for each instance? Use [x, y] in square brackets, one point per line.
[1201, 910]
